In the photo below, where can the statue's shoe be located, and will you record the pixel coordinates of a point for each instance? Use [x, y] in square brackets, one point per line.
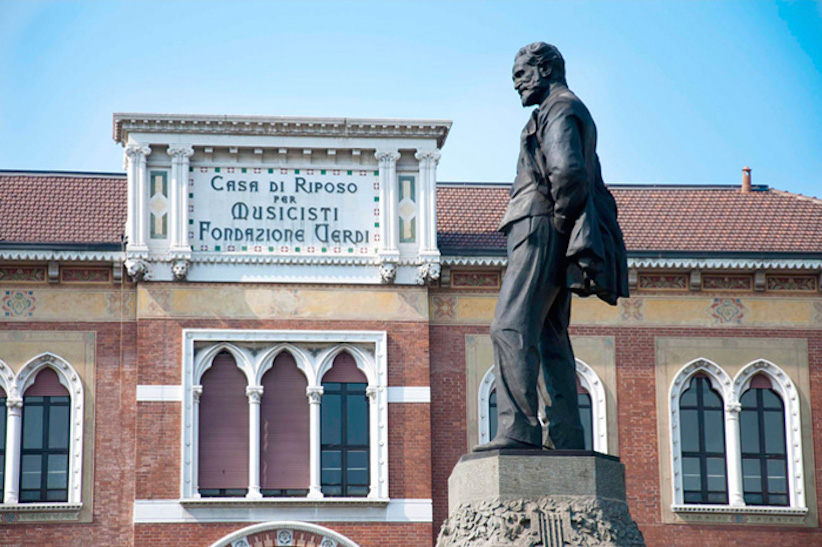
[503, 443]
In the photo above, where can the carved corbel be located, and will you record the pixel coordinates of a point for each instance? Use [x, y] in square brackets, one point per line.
[388, 272]
[180, 269]
[428, 273]
[138, 269]
[696, 280]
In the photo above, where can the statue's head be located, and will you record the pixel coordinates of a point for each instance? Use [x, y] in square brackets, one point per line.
[536, 67]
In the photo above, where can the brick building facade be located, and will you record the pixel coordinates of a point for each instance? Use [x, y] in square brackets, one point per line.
[166, 385]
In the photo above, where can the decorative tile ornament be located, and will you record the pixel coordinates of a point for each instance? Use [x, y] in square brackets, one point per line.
[727, 282]
[632, 309]
[158, 205]
[652, 282]
[18, 303]
[817, 313]
[285, 537]
[85, 275]
[792, 283]
[727, 311]
[475, 280]
[23, 274]
[444, 307]
[407, 208]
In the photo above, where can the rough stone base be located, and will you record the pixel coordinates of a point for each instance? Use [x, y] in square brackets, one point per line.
[514, 498]
[548, 522]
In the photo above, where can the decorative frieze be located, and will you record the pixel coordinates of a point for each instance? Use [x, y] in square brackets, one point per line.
[85, 275]
[475, 280]
[711, 282]
[664, 281]
[791, 283]
[22, 274]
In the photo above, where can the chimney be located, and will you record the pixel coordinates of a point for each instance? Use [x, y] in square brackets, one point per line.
[746, 180]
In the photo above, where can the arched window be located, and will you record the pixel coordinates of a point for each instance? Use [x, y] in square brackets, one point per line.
[492, 414]
[344, 430]
[44, 453]
[702, 438]
[585, 415]
[224, 439]
[764, 454]
[2, 437]
[284, 430]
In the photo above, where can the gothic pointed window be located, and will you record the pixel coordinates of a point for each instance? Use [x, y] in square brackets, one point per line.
[762, 434]
[585, 415]
[284, 430]
[344, 430]
[224, 439]
[44, 454]
[702, 430]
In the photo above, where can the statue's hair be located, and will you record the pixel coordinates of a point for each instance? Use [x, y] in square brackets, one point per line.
[541, 54]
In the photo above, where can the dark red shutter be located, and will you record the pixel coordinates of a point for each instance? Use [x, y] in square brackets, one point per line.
[344, 371]
[223, 447]
[284, 427]
[47, 384]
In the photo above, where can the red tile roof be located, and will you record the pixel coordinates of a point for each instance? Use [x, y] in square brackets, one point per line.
[655, 218]
[62, 208]
[89, 208]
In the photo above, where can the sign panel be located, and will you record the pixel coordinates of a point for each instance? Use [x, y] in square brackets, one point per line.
[284, 211]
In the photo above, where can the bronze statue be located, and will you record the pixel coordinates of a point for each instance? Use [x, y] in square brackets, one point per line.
[563, 237]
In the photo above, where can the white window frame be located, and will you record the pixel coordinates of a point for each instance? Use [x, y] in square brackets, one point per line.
[731, 391]
[15, 386]
[587, 377]
[369, 350]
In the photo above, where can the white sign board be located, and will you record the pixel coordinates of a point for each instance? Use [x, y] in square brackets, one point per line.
[284, 211]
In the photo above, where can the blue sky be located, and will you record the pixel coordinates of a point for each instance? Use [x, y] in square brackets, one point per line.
[682, 92]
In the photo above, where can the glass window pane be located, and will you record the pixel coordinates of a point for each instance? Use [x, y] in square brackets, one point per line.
[32, 425]
[774, 432]
[587, 425]
[748, 400]
[771, 400]
[710, 398]
[2, 424]
[714, 431]
[689, 426]
[357, 419]
[331, 414]
[331, 467]
[691, 477]
[357, 472]
[717, 497]
[59, 427]
[779, 499]
[57, 471]
[751, 475]
[332, 490]
[688, 397]
[749, 431]
[30, 470]
[359, 491]
[777, 480]
[57, 495]
[716, 474]
[492, 414]
[754, 499]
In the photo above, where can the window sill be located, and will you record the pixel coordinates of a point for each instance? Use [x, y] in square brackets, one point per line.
[284, 502]
[39, 512]
[742, 509]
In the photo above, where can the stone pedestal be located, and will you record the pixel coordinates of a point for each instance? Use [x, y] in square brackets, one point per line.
[524, 498]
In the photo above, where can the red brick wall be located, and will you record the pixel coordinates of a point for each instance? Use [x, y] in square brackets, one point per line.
[637, 416]
[113, 489]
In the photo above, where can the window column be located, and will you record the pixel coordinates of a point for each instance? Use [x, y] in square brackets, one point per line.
[315, 395]
[254, 395]
[13, 444]
[733, 446]
[428, 201]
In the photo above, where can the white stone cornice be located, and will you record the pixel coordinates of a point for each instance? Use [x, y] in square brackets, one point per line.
[125, 123]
